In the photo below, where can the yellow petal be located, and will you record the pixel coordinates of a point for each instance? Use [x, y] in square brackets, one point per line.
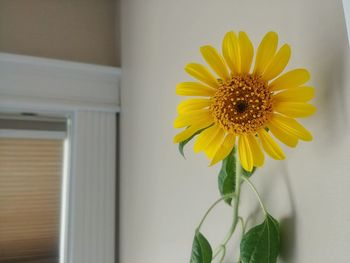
[301, 94]
[278, 63]
[205, 138]
[270, 146]
[201, 73]
[184, 135]
[193, 117]
[258, 156]
[192, 104]
[285, 137]
[230, 51]
[225, 149]
[246, 52]
[291, 79]
[292, 127]
[215, 61]
[295, 109]
[215, 144]
[194, 89]
[266, 51]
[245, 153]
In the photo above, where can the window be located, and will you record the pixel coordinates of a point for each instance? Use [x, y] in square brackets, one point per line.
[31, 175]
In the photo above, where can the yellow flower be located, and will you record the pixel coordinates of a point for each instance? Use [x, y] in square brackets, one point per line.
[243, 104]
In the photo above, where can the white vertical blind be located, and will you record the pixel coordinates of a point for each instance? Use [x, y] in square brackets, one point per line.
[92, 227]
[30, 191]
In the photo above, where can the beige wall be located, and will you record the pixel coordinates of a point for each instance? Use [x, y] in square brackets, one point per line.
[77, 30]
[164, 196]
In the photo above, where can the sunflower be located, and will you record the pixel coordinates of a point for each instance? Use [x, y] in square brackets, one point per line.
[244, 106]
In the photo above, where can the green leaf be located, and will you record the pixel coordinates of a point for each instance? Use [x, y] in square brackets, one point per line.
[201, 249]
[183, 143]
[227, 175]
[261, 244]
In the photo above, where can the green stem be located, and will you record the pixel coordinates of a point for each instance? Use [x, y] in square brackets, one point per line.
[243, 232]
[256, 193]
[224, 197]
[223, 254]
[235, 205]
[242, 224]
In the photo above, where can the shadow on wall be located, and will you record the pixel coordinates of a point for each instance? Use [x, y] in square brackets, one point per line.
[289, 221]
[288, 224]
[334, 101]
[334, 98]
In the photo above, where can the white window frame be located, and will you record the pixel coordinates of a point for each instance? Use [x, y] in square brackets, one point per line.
[30, 134]
[86, 95]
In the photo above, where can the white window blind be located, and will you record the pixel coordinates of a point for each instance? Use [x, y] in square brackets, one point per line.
[30, 194]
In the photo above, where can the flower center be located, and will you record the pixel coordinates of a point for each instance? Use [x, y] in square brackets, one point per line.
[242, 104]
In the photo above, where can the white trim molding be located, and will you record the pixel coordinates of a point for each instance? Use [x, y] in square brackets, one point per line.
[50, 83]
[91, 231]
